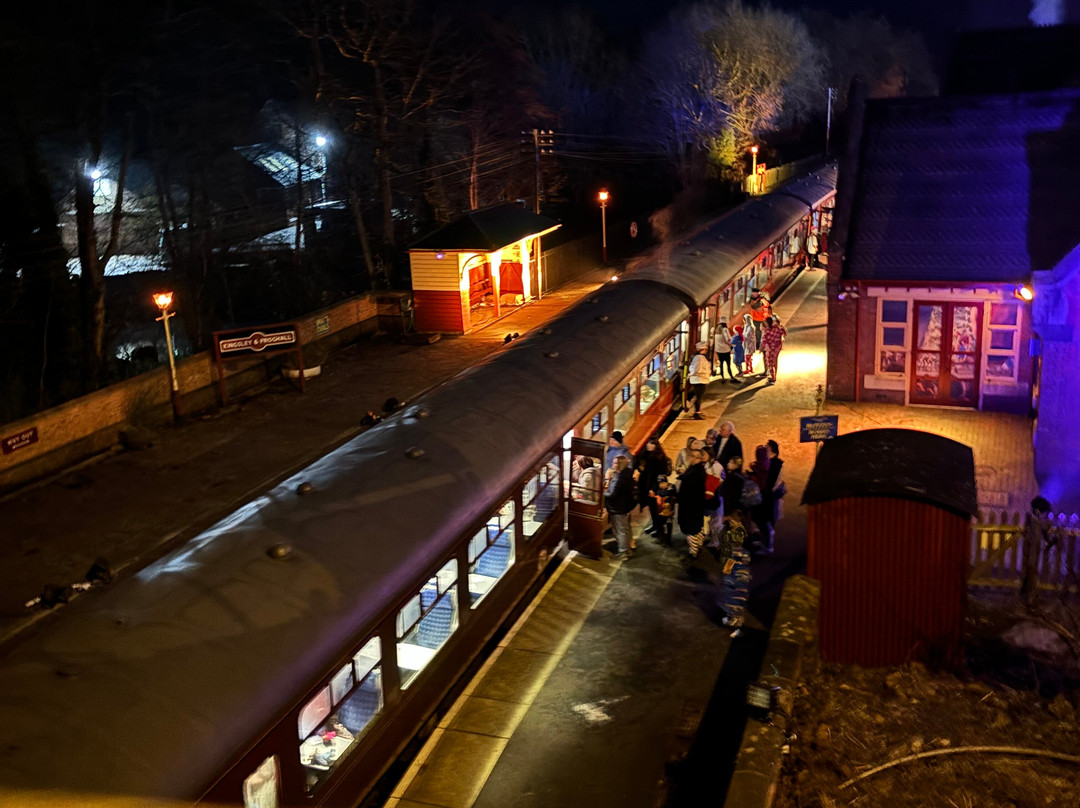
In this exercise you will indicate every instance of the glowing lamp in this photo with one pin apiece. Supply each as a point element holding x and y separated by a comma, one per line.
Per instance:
<point>95,174</point>
<point>1024,292</point>
<point>614,277</point>
<point>320,140</point>
<point>440,255</point>
<point>603,196</point>
<point>753,149</point>
<point>163,300</point>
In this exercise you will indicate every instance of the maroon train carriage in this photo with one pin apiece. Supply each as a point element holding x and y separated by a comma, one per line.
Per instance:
<point>288,654</point>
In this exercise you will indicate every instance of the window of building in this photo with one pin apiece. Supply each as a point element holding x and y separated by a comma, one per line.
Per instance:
<point>332,722</point>
<point>650,383</point>
<point>540,497</point>
<point>892,337</point>
<point>625,406</point>
<point>262,788</point>
<point>491,552</point>
<point>1002,351</point>
<point>426,622</point>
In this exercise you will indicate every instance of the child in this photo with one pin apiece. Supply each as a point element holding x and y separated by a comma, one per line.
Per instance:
<point>737,350</point>
<point>665,509</point>
<point>736,585</point>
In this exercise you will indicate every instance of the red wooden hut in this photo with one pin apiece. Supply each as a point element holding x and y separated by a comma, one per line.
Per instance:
<point>469,271</point>
<point>889,526</point>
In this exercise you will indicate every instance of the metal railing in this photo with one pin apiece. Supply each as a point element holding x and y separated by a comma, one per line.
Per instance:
<point>997,551</point>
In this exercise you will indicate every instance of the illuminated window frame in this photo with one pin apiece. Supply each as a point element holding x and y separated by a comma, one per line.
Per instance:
<point>882,343</point>
<point>497,532</point>
<point>994,355</point>
<point>544,482</point>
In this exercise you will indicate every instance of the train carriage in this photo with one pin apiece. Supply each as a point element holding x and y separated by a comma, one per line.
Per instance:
<point>289,653</point>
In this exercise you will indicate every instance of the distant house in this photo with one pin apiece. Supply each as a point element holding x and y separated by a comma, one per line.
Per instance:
<point>953,278</point>
<point>477,267</point>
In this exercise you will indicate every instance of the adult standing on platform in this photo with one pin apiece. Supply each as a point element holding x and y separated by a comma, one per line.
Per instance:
<point>692,501</point>
<point>750,345</point>
<point>651,464</point>
<point>772,342</point>
<point>620,501</point>
<point>722,346</point>
<point>760,309</point>
<point>616,448</point>
<point>728,444</point>
<point>772,493</point>
<point>699,376</point>
<point>812,247</point>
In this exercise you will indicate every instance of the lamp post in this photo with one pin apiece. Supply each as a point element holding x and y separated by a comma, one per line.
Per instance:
<point>603,197</point>
<point>163,300</point>
<point>753,169</point>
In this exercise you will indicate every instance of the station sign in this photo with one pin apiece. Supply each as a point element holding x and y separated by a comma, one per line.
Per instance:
<point>258,341</point>
<point>813,428</point>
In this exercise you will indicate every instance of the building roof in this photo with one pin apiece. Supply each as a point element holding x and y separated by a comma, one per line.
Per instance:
<point>966,189</point>
<point>900,463</point>
<point>487,229</point>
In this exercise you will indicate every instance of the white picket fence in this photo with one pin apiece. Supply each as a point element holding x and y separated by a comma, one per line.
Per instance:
<point>997,558</point>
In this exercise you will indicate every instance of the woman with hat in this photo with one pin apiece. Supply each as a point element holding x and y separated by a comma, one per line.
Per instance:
<point>699,375</point>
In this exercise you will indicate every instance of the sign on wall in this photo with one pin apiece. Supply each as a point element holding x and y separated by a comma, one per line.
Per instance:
<point>256,341</point>
<point>239,343</point>
<point>20,440</point>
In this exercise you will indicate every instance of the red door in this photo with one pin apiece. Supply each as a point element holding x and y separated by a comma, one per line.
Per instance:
<point>585,518</point>
<point>946,354</point>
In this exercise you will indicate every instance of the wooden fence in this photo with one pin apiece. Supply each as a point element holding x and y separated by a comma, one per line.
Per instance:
<point>997,551</point>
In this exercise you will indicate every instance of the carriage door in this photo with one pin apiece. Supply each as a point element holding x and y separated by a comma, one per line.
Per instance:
<point>946,354</point>
<point>585,509</point>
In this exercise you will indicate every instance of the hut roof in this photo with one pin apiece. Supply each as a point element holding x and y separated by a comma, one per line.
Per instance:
<point>487,229</point>
<point>901,463</point>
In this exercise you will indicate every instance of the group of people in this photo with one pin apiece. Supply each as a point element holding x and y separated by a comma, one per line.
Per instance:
<point>707,490</point>
<point>766,335</point>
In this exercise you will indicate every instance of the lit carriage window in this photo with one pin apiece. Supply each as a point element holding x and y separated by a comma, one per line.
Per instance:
<point>650,383</point>
<point>356,697</point>
<point>671,358</point>
<point>540,497</point>
<point>491,552</point>
<point>597,428</point>
<point>426,622</point>
<point>625,406</point>
<point>1002,353</point>
<point>892,337</point>
<point>262,788</point>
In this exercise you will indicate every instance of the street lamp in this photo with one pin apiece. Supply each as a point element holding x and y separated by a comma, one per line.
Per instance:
<point>603,197</point>
<point>163,300</point>
<point>753,168</point>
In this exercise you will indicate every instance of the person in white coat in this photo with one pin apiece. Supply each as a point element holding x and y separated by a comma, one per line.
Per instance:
<point>700,373</point>
<point>722,347</point>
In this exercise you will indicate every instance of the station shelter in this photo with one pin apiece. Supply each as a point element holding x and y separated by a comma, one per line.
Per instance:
<point>956,281</point>
<point>474,269</point>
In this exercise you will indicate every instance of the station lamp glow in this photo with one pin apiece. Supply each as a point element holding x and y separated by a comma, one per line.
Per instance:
<point>95,174</point>
<point>163,300</point>
<point>603,196</point>
<point>320,140</point>
<point>1023,291</point>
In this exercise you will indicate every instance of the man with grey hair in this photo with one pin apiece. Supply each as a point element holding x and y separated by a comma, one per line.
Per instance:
<point>727,444</point>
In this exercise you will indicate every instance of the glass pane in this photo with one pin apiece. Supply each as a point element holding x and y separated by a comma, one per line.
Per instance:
<point>650,391</point>
<point>1003,340</point>
<point>367,657</point>
<point>490,567</point>
<point>963,366</point>
<point>341,683</point>
<point>417,648</point>
<point>927,364</point>
<point>894,311</point>
<point>926,388</point>
<point>545,503</point>
<point>929,328</point>
<point>1000,367</point>
<point>447,576</point>
<point>893,361</point>
<point>894,337</point>
<point>262,789</point>
<point>362,706</point>
<point>962,390</point>
<point>965,319</point>
<point>408,616</point>
<point>1004,313</point>
<point>584,480</point>
<point>314,712</point>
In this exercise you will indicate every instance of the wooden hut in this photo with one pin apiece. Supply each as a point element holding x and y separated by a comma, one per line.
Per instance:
<point>470,271</point>
<point>889,514</point>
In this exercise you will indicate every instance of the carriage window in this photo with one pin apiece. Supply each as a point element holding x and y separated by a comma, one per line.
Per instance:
<point>540,497</point>
<point>491,551</point>
<point>671,357</point>
<point>262,789</point>
<point>597,428</point>
<point>650,383</point>
<point>357,698</point>
<point>625,406</point>
<point>426,622</point>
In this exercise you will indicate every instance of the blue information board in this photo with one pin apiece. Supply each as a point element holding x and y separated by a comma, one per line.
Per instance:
<point>813,428</point>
